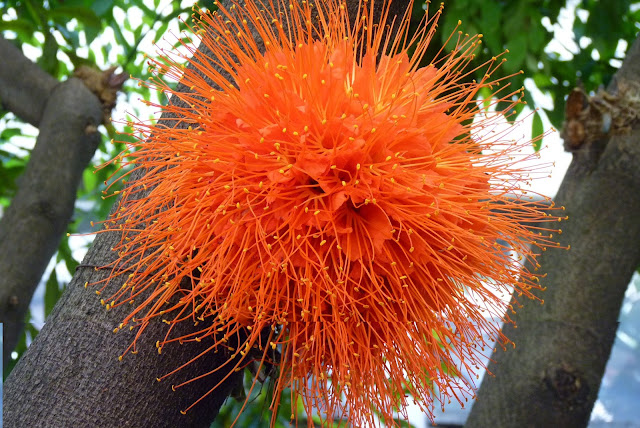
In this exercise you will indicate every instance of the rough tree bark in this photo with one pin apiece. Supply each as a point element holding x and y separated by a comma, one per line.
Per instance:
<point>552,377</point>
<point>70,376</point>
<point>68,115</point>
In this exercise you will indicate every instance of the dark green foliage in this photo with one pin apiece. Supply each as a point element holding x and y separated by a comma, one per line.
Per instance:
<point>537,130</point>
<point>517,26</point>
<point>52,292</point>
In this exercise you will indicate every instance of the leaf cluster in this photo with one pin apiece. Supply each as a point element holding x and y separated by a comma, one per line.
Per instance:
<point>591,41</point>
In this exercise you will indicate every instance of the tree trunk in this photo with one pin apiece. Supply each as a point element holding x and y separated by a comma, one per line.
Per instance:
<point>552,377</point>
<point>68,116</point>
<point>71,376</point>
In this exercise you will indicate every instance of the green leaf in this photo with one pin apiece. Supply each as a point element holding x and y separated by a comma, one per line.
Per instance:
<point>517,46</point>
<point>64,254</point>
<point>71,37</point>
<point>556,116</point>
<point>49,59</point>
<point>100,8</point>
<point>34,13</point>
<point>51,293</point>
<point>537,130</point>
<point>542,81</point>
<point>91,33</point>
<point>538,37</point>
<point>89,180</point>
<point>122,41</point>
<point>490,15</point>
<point>85,15</point>
<point>10,171</point>
<point>605,20</point>
<point>485,96</point>
<point>9,133</point>
<point>23,27</point>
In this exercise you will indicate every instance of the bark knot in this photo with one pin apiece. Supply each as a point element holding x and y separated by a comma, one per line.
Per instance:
<point>104,84</point>
<point>607,113</point>
<point>568,386</point>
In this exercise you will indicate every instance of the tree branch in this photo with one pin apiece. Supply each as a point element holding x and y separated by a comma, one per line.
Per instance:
<point>71,376</point>
<point>553,375</point>
<point>24,87</point>
<point>32,226</point>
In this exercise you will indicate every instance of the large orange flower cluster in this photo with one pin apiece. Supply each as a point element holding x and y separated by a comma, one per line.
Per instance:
<point>335,202</point>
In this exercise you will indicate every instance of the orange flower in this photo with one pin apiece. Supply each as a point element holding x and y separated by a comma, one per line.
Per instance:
<point>332,201</point>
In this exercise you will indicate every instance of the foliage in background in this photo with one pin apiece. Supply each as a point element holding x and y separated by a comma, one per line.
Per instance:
<point>64,34</point>
<point>526,28</point>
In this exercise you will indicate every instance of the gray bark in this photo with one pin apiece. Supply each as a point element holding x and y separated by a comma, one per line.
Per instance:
<point>34,223</point>
<point>71,376</point>
<point>552,377</point>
